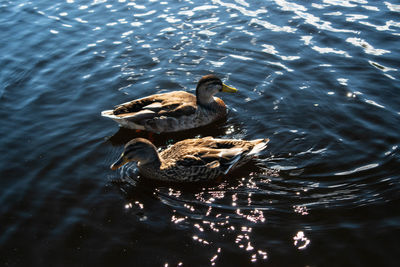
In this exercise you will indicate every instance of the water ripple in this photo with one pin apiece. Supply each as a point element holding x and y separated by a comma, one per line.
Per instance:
<point>242,9</point>
<point>320,79</point>
<point>359,169</point>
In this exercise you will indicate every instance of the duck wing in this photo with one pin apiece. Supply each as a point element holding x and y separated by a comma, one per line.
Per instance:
<point>155,109</point>
<point>155,102</point>
<point>210,153</point>
<point>209,161</point>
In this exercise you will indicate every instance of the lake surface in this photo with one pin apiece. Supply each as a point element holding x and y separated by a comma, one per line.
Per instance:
<point>319,78</point>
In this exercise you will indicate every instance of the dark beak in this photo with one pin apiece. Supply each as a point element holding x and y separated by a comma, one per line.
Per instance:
<point>119,163</point>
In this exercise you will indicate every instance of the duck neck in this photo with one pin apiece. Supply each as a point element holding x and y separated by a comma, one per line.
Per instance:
<point>151,159</point>
<point>205,101</point>
<point>204,97</point>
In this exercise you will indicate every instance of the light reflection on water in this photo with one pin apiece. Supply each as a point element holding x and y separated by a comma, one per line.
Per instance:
<point>320,79</point>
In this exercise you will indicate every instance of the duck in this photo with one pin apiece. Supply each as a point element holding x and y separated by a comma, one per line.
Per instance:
<point>190,160</point>
<point>174,111</point>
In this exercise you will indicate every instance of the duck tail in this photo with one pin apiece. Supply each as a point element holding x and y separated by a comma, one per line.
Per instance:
<point>261,144</point>
<point>122,121</point>
<point>108,113</point>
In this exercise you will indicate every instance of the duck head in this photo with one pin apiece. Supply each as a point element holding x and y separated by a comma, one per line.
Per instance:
<point>208,86</point>
<point>139,150</point>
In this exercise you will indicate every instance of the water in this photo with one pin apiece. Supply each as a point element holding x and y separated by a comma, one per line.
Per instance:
<point>320,79</point>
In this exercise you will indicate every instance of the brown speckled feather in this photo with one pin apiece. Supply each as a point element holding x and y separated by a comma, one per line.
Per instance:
<point>173,111</point>
<point>190,160</point>
<point>177,111</point>
<point>169,102</point>
<point>206,158</point>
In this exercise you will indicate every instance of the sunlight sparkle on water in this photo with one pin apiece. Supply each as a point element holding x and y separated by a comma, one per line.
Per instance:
<point>300,240</point>
<point>374,103</point>
<point>294,62</point>
<point>214,258</point>
<point>177,220</point>
<point>359,169</point>
<point>351,95</point>
<point>302,210</point>
<point>329,50</point>
<point>369,49</point>
<point>200,240</point>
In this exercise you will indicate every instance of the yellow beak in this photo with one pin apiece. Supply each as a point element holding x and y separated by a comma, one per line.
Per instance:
<point>119,163</point>
<point>228,89</point>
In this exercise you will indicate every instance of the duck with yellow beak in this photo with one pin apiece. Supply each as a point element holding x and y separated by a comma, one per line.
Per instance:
<point>174,111</point>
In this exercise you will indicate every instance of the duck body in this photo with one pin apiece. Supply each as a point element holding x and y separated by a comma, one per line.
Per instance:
<point>190,160</point>
<point>168,112</point>
<point>174,111</point>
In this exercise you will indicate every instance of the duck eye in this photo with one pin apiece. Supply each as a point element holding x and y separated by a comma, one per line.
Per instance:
<point>215,85</point>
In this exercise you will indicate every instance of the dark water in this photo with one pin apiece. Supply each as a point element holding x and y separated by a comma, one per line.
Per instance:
<point>319,78</point>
